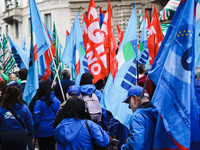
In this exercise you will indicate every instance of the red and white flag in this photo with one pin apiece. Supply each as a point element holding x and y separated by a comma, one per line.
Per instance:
<point>108,37</point>
<point>155,36</point>
<point>120,35</point>
<point>96,55</point>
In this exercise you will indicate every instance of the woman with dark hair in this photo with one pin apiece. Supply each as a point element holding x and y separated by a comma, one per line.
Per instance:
<point>15,117</point>
<point>75,132</point>
<point>44,115</point>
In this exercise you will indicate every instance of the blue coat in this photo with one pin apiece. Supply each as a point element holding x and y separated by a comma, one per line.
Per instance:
<point>66,83</point>
<point>8,121</point>
<point>44,117</point>
<point>142,129</point>
<point>72,134</point>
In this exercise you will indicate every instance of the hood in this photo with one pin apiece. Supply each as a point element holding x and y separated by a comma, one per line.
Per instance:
<point>67,130</point>
<point>17,106</point>
<point>87,89</point>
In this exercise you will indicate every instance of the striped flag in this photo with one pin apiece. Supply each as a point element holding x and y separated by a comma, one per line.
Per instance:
<point>8,59</point>
<point>1,53</point>
<point>140,20</point>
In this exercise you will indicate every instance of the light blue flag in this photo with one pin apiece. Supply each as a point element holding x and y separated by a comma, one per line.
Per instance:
<point>42,65</point>
<point>21,57</point>
<point>74,53</point>
<point>39,44</point>
<point>123,75</point>
<point>197,36</point>
<point>173,72</point>
<point>39,33</point>
<point>143,56</point>
<point>24,45</point>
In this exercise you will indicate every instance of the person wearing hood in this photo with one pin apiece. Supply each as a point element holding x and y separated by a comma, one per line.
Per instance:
<point>142,122</point>
<point>87,88</point>
<point>45,110</point>
<point>15,117</point>
<point>75,132</point>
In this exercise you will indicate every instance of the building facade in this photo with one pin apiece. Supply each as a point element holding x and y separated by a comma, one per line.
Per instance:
<point>15,15</point>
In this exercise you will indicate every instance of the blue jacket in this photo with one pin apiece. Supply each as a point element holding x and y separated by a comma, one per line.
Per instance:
<point>89,89</point>
<point>142,129</point>
<point>66,83</point>
<point>72,134</point>
<point>8,121</point>
<point>44,117</point>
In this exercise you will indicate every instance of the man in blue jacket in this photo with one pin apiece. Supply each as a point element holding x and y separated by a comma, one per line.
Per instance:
<point>142,122</point>
<point>65,83</point>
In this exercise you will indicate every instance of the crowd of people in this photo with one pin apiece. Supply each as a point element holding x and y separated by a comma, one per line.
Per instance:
<point>75,120</point>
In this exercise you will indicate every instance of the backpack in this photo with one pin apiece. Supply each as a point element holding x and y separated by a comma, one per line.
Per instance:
<point>93,106</point>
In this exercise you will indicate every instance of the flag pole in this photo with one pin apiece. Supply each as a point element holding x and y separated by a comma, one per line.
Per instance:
<point>144,87</point>
<point>137,71</point>
<point>57,75</point>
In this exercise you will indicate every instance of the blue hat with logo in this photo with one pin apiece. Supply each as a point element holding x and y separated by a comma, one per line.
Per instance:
<point>135,90</point>
<point>73,90</point>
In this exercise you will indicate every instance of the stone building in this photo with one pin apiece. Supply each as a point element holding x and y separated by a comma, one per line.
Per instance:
<point>15,15</point>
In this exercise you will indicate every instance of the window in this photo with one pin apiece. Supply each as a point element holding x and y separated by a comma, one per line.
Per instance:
<point>149,12</point>
<point>17,30</point>
<point>47,20</point>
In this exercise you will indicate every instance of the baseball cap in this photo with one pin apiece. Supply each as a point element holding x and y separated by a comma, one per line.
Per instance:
<point>135,90</point>
<point>73,90</point>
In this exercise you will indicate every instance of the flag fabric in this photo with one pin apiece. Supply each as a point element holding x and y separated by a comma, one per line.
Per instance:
<point>47,58</point>
<point>197,36</point>
<point>74,54</point>
<point>173,73</point>
<point>93,42</point>
<point>140,20</point>
<point>83,27</point>
<point>21,56</point>
<point>143,56</point>
<point>155,36</point>
<point>110,45</point>
<point>24,45</point>
<point>147,22</point>
<point>1,53</point>
<point>58,54</point>
<point>164,28</point>
<point>123,75</point>
<point>8,59</point>
<point>101,17</point>
<point>39,44</point>
<point>120,35</point>
<point>168,11</point>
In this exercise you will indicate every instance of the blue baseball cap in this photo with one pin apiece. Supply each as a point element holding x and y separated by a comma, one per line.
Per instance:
<point>135,90</point>
<point>73,90</point>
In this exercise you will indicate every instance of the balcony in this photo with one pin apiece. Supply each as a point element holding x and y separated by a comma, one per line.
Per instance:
<point>13,15</point>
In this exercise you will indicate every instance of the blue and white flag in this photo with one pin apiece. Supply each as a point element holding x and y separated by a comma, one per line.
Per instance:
<point>21,56</point>
<point>197,36</point>
<point>39,44</point>
<point>74,53</point>
<point>143,56</point>
<point>123,75</point>
<point>173,72</point>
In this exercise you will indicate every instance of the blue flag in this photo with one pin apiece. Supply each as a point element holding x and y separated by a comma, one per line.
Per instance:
<point>39,33</point>
<point>173,73</point>
<point>21,56</point>
<point>197,36</point>
<point>143,56</point>
<point>39,44</point>
<point>74,53</point>
<point>123,75</point>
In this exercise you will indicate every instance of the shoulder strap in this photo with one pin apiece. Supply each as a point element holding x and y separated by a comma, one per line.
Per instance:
<point>88,128</point>
<point>52,109</point>
<point>17,118</point>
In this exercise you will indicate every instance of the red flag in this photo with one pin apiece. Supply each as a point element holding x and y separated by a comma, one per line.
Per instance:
<point>147,21</point>
<point>67,32</point>
<point>108,37</point>
<point>120,35</point>
<point>155,36</point>
<point>48,59</point>
<point>95,52</point>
